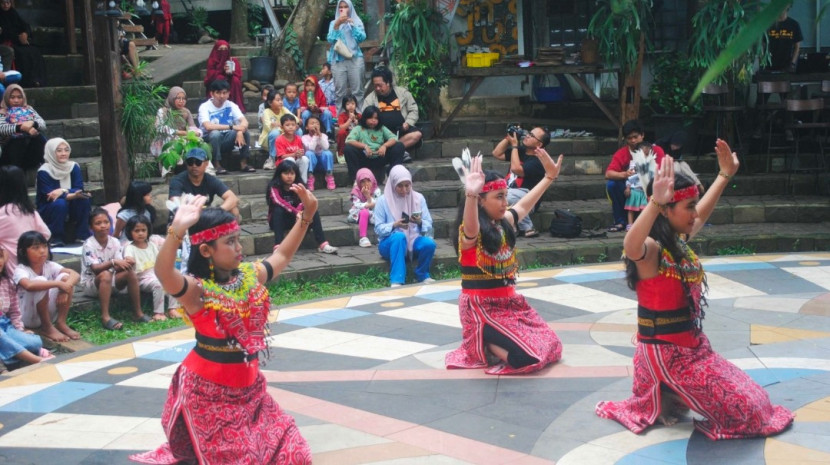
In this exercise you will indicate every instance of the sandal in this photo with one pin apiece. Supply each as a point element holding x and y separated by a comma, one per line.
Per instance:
<point>143,319</point>
<point>616,228</point>
<point>112,324</point>
<point>249,169</point>
<point>531,233</point>
<point>221,171</point>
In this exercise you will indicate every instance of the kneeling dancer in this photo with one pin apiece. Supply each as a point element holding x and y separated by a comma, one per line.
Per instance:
<point>498,325</point>
<point>218,410</point>
<point>675,368</point>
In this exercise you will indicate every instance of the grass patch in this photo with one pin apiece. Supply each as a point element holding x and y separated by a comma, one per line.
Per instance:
<point>735,250</point>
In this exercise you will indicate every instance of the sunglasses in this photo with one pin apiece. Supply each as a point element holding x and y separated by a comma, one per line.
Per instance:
<point>193,162</point>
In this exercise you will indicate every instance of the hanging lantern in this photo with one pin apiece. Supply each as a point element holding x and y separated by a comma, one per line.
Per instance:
<point>141,8</point>
<point>112,8</point>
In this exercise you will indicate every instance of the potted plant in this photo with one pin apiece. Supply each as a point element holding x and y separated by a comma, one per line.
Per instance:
<point>141,99</point>
<point>173,152</point>
<point>264,63</point>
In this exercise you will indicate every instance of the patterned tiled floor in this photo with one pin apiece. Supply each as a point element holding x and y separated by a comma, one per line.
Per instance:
<point>364,377</point>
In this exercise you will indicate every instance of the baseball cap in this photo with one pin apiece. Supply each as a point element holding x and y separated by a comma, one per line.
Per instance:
<point>196,153</point>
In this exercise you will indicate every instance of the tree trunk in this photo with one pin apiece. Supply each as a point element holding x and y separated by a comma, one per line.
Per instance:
<point>239,22</point>
<point>305,20</point>
<point>630,92</point>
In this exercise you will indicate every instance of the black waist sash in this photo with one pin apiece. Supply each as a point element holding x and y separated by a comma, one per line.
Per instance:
<point>473,278</point>
<point>217,350</point>
<point>652,323</point>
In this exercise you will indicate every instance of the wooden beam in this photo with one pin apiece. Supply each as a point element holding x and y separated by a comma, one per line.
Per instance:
<point>70,27</point>
<point>108,78</point>
<point>89,60</point>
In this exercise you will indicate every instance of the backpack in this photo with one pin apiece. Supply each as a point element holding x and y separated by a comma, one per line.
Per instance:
<point>565,224</point>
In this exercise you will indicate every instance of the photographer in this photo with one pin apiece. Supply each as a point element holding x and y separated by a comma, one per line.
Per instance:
<point>519,148</point>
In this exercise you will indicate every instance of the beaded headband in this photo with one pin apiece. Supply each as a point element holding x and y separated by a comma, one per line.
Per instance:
<point>685,193</point>
<point>494,186</point>
<point>214,233</point>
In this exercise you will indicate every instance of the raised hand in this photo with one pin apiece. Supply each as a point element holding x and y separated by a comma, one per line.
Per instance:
<point>552,168</point>
<point>663,186</point>
<point>474,177</point>
<point>727,159</point>
<point>189,211</point>
<point>308,199</point>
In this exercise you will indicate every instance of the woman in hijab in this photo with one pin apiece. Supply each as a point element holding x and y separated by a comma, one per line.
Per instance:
<point>173,120</point>
<point>24,146</point>
<point>60,193</point>
<point>348,28</point>
<point>218,67</point>
<point>404,227</point>
<point>16,32</point>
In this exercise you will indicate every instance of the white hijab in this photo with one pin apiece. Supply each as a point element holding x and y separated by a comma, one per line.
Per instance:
<point>346,28</point>
<point>61,172</point>
<point>402,204</point>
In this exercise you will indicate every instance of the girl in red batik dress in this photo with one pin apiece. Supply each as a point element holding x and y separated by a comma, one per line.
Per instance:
<point>675,368</point>
<point>218,410</point>
<point>500,329</point>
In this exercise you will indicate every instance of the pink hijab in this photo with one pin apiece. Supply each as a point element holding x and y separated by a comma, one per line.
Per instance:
<point>364,173</point>
<point>407,204</point>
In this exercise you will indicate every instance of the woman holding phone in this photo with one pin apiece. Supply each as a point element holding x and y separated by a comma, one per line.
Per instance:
<point>346,58</point>
<point>60,193</point>
<point>404,227</point>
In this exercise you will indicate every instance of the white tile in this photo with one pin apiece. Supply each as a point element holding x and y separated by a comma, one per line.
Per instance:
<point>73,370</point>
<point>586,355</point>
<point>621,317</point>
<point>158,379</point>
<point>344,343</point>
<point>614,338</point>
<point>771,304</point>
<point>70,431</point>
<point>86,423</point>
<point>581,297</point>
<point>370,299</point>
<point>782,362</point>
<point>438,288</point>
<point>724,288</point>
<point>145,347</point>
<point>313,339</point>
<point>434,359</point>
<point>11,394</point>
<point>439,313</point>
<point>818,275</point>
<point>325,438</point>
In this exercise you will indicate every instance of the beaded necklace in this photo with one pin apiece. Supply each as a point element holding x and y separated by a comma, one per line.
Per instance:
<point>502,264</point>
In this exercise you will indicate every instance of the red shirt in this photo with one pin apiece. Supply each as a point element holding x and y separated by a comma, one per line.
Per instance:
<point>285,146</point>
<point>622,158</point>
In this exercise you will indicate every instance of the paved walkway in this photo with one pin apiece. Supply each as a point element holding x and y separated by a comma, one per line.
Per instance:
<point>364,377</point>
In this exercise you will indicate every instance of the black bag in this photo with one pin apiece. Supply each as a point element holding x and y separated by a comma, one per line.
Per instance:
<point>565,224</point>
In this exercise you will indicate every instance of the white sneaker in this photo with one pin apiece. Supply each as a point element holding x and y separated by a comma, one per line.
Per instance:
<point>395,285</point>
<point>428,281</point>
<point>269,164</point>
<point>365,242</point>
<point>326,248</point>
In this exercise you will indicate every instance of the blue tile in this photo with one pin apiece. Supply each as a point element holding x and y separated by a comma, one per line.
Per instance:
<point>658,454</point>
<point>171,354</point>
<point>443,296</point>
<point>323,318</point>
<point>768,376</point>
<point>739,266</point>
<point>54,397</point>
<point>590,277</point>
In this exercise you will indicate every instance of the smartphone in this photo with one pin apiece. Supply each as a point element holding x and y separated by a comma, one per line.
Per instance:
<point>86,194</point>
<point>404,217</point>
<point>416,215</point>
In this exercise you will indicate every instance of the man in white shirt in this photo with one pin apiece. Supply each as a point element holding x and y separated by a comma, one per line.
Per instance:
<point>224,126</point>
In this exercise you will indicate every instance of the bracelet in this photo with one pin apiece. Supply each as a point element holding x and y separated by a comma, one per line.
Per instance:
<point>727,176</point>
<point>550,177</point>
<point>304,221</point>
<point>470,196</point>
<point>172,232</point>
<point>468,237</point>
<point>654,201</point>
<point>515,147</point>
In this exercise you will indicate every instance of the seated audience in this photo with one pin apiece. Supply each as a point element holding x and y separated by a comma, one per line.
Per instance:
<point>17,213</point>
<point>24,146</point>
<point>398,109</point>
<point>222,67</point>
<point>225,126</point>
<point>372,145</point>
<point>14,31</point>
<point>60,193</point>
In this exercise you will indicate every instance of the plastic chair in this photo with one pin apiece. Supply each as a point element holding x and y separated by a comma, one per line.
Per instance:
<point>768,110</point>
<point>807,126</point>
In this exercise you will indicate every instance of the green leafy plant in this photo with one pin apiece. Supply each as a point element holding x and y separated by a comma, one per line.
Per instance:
<point>419,56</point>
<point>618,26</point>
<point>291,46</point>
<point>140,100</point>
<point>674,81</point>
<point>735,250</point>
<point>174,150</point>
<point>199,20</point>
<point>256,15</point>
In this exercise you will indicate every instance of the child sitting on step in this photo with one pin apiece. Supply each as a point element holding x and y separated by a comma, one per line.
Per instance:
<point>364,196</point>
<point>144,252</point>
<point>317,151</point>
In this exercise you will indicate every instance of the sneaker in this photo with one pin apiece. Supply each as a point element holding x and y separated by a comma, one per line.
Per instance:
<point>325,247</point>
<point>269,164</point>
<point>428,281</point>
<point>330,182</point>
<point>395,285</point>
<point>407,158</point>
<point>310,182</point>
<point>365,242</point>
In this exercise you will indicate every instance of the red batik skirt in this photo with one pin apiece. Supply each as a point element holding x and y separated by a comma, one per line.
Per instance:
<point>734,406</point>
<point>510,314</point>
<point>209,423</point>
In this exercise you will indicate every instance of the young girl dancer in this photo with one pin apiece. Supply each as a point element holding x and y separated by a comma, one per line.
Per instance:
<point>144,253</point>
<point>284,205</point>
<point>218,409</point>
<point>675,368</point>
<point>496,322</point>
<point>45,288</point>
<point>365,194</point>
<point>16,343</point>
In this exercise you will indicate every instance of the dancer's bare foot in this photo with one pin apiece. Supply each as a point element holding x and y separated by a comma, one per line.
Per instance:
<point>671,407</point>
<point>54,334</point>
<point>69,332</point>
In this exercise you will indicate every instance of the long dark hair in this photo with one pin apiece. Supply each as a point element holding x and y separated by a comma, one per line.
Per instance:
<point>490,235</point>
<point>369,112</point>
<point>13,189</point>
<point>276,182</point>
<point>134,200</point>
<point>662,232</point>
<point>26,240</point>
<point>197,265</point>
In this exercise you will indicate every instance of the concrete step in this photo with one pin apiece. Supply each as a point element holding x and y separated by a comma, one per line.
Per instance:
<point>758,237</point>
<point>57,102</point>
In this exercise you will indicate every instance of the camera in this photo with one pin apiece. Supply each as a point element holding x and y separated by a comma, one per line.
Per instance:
<point>515,129</point>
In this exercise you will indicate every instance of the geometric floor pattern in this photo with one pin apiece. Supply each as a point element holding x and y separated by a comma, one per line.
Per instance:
<point>364,377</point>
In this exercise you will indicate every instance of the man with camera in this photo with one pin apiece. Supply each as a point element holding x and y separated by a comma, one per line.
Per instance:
<point>519,148</point>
